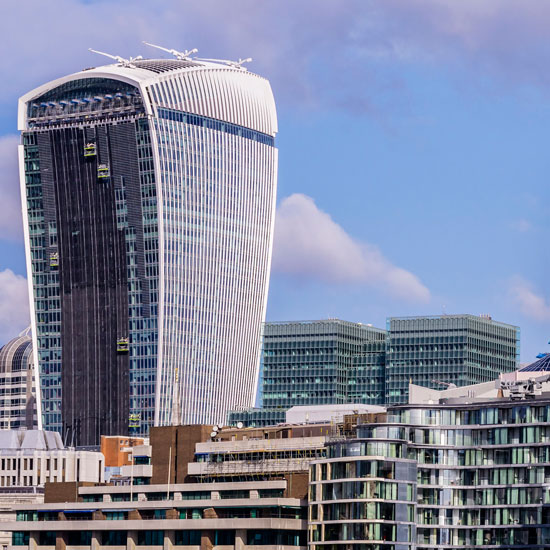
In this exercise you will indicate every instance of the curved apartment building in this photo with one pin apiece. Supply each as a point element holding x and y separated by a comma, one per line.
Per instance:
<point>471,475</point>
<point>148,194</point>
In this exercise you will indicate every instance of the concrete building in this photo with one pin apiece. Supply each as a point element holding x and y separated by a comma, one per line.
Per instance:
<point>191,516</point>
<point>457,468</point>
<point>17,384</point>
<point>168,167</point>
<point>29,459</point>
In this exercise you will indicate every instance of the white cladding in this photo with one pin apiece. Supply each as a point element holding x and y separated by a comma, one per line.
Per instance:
<point>216,193</point>
<point>304,414</point>
<point>34,457</point>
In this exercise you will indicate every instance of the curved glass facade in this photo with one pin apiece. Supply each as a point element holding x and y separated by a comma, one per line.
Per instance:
<point>150,198</point>
<point>470,476</point>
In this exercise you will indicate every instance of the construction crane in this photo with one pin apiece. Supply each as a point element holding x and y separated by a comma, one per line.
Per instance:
<point>185,55</point>
<point>524,389</point>
<point>234,64</point>
<point>121,60</point>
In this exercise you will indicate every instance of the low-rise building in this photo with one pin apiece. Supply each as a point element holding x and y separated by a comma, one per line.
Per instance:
<point>127,460</point>
<point>31,458</point>
<point>191,516</point>
<point>458,468</point>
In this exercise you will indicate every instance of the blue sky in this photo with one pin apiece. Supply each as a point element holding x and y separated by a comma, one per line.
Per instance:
<point>413,144</point>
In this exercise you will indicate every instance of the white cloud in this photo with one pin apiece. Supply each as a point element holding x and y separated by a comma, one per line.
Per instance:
<point>530,303</point>
<point>310,245</point>
<point>315,52</point>
<point>522,225</point>
<point>11,224</point>
<point>14,305</point>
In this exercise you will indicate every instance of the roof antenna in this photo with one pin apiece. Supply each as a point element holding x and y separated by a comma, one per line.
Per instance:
<point>182,56</point>
<point>234,64</point>
<point>121,60</point>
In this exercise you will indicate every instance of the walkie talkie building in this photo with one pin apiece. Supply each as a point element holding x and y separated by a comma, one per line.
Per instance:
<point>148,192</point>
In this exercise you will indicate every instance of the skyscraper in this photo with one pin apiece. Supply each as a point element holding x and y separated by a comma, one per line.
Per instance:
<point>148,199</point>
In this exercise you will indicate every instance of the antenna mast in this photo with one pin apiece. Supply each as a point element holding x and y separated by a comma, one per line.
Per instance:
<point>235,64</point>
<point>121,60</point>
<point>185,55</point>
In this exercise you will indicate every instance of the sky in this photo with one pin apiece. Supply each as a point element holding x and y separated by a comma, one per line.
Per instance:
<point>413,144</point>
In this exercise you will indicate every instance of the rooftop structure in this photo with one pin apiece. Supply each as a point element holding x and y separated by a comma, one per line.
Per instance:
<point>541,365</point>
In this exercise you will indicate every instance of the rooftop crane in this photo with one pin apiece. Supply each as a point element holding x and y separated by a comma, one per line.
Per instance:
<point>183,56</point>
<point>121,60</point>
<point>524,389</point>
<point>234,64</point>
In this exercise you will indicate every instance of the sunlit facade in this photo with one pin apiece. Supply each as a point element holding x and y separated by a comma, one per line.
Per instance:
<point>425,477</point>
<point>149,195</point>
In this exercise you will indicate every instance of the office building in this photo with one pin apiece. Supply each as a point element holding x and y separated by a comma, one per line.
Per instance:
<point>17,384</point>
<point>337,361</point>
<point>457,468</point>
<point>316,362</point>
<point>226,487</point>
<point>460,468</point>
<point>448,349</point>
<point>313,362</point>
<point>29,459</point>
<point>150,195</point>
<point>367,379</point>
<point>183,507</point>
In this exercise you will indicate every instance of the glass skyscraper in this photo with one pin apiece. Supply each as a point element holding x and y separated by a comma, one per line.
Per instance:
<point>148,194</point>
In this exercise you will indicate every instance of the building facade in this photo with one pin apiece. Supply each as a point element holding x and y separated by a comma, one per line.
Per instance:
<point>453,349</point>
<point>463,475</point>
<point>333,361</point>
<point>314,362</point>
<point>149,193</point>
<point>460,468</point>
<point>18,385</point>
<point>200,516</point>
